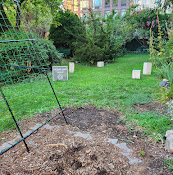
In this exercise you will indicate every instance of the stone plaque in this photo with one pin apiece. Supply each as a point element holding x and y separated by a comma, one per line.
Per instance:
<point>147,68</point>
<point>60,73</point>
<point>136,74</point>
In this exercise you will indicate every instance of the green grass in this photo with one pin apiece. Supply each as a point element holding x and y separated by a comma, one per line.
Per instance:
<point>107,87</point>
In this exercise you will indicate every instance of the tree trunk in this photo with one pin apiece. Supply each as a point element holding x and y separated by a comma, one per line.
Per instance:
<point>4,21</point>
<point>18,13</point>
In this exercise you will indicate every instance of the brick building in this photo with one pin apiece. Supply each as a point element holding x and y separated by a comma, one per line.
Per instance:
<point>103,7</point>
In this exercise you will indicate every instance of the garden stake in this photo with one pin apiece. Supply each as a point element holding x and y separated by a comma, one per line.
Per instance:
<point>14,119</point>
<point>56,98</point>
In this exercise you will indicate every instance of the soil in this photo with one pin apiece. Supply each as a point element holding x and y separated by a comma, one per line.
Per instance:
<point>84,147</point>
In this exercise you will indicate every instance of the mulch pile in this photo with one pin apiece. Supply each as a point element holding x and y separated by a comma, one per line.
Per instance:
<point>57,150</point>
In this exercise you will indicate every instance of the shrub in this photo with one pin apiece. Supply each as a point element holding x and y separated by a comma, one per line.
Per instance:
<point>101,39</point>
<point>40,53</point>
<point>161,54</point>
<point>145,19</point>
<point>64,28</point>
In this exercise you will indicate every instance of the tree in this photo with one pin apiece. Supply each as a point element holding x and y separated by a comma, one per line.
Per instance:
<point>3,18</point>
<point>166,4</point>
<point>39,9</point>
<point>64,28</point>
<point>102,39</point>
<point>144,20</point>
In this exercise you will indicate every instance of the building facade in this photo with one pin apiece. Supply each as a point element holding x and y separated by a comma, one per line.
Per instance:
<point>103,7</point>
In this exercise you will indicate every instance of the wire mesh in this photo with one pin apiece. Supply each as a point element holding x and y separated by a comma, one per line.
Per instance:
<point>23,80</point>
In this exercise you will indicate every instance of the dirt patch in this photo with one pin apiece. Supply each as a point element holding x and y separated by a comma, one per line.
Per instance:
<point>85,146</point>
<point>150,107</point>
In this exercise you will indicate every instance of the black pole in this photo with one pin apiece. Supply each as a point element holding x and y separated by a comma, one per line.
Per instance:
<point>30,133</point>
<point>56,98</point>
<point>14,119</point>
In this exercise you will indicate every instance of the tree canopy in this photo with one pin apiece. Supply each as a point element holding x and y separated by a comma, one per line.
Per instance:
<point>37,12</point>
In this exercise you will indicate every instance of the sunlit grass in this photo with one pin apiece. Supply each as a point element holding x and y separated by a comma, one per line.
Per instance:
<point>109,87</point>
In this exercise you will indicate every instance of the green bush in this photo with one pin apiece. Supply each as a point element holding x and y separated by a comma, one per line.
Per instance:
<point>102,39</point>
<point>147,19</point>
<point>39,52</point>
<point>64,28</point>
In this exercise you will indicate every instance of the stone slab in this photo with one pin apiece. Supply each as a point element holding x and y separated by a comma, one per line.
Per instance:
<point>71,67</point>
<point>100,64</point>
<point>147,68</point>
<point>136,74</point>
<point>60,73</point>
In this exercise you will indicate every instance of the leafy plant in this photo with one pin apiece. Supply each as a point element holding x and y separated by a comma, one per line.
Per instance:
<point>161,55</point>
<point>145,19</point>
<point>169,163</point>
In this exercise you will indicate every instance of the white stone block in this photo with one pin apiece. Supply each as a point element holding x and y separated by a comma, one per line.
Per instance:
<point>169,141</point>
<point>100,64</point>
<point>71,67</point>
<point>147,68</point>
<point>136,74</point>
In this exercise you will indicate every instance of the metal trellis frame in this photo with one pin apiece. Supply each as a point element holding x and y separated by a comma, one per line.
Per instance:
<point>37,67</point>
<point>48,120</point>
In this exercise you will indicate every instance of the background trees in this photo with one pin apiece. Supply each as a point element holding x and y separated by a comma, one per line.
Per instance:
<point>64,29</point>
<point>38,14</point>
<point>92,38</point>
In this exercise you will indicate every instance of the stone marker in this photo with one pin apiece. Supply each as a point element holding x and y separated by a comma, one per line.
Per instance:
<point>147,68</point>
<point>71,67</point>
<point>60,73</point>
<point>100,64</point>
<point>136,74</point>
<point>169,141</point>
<point>163,83</point>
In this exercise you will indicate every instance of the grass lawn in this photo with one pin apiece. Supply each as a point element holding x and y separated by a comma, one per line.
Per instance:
<point>108,87</point>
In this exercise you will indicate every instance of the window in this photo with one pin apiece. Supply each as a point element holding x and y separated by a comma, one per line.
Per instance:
<point>75,8</point>
<point>107,3</point>
<point>84,5</point>
<point>123,2</point>
<point>115,3</point>
<point>123,11</point>
<point>107,13</point>
<point>97,4</point>
<point>69,4</point>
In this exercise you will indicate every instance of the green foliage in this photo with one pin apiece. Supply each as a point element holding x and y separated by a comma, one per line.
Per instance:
<point>161,54</point>
<point>50,50</point>
<point>38,13</point>
<point>166,71</point>
<point>146,19</point>
<point>142,153</point>
<point>169,46</point>
<point>64,28</point>
<point>38,16</point>
<point>102,39</point>
<point>40,53</point>
<point>91,39</point>
<point>169,163</point>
